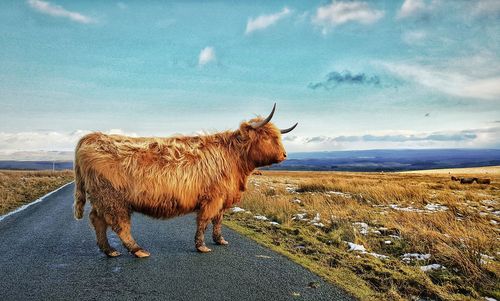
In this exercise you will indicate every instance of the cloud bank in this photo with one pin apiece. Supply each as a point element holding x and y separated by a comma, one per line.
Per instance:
<point>46,140</point>
<point>59,11</point>
<point>470,138</point>
<point>335,79</point>
<point>454,83</point>
<point>473,138</point>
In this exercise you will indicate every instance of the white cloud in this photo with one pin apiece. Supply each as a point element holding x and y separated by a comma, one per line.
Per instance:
<point>452,82</point>
<point>414,36</point>
<point>207,55</point>
<point>411,8</point>
<point>264,21</point>
<point>43,145</point>
<point>474,138</point>
<point>45,140</point>
<point>339,12</point>
<point>59,11</point>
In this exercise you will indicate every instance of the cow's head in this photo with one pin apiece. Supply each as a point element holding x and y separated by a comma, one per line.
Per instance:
<point>263,140</point>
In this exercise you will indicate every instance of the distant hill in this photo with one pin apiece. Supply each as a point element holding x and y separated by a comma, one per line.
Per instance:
<point>389,160</point>
<point>36,165</point>
<point>365,160</point>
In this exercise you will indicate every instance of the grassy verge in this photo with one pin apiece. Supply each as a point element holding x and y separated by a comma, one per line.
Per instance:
<point>21,187</point>
<point>451,230</point>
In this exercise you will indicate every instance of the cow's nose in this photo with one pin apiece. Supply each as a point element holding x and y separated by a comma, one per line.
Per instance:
<point>284,155</point>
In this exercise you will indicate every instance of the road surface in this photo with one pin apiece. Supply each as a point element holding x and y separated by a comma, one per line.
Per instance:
<point>48,255</point>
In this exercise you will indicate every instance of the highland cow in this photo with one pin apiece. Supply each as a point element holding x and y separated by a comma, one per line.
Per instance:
<point>168,177</point>
<point>467,180</point>
<point>483,181</point>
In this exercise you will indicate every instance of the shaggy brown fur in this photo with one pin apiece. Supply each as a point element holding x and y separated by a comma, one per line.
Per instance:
<point>167,177</point>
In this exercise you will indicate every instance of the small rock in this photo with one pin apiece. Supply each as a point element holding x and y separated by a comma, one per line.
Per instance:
<point>313,284</point>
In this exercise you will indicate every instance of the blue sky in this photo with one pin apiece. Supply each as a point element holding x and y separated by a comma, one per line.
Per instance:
<point>354,74</point>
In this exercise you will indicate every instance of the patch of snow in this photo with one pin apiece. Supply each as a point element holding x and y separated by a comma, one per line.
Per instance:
<point>489,202</point>
<point>406,209</point>
<point>486,258</point>
<point>395,236</point>
<point>407,257</point>
<point>356,247</point>
<point>361,249</point>
<point>274,223</point>
<point>388,242</point>
<point>316,219</point>
<point>379,256</point>
<point>237,209</point>
<point>493,222</point>
<point>300,217</point>
<point>296,201</point>
<point>261,217</point>
<point>497,213</point>
<point>435,207</point>
<point>432,267</point>
<point>490,299</point>
<point>362,227</point>
<point>342,194</point>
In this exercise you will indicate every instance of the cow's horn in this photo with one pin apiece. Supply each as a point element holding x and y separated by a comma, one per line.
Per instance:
<point>257,125</point>
<point>288,130</point>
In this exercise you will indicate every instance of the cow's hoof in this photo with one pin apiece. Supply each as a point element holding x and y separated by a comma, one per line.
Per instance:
<point>203,249</point>
<point>222,242</point>
<point>141,253</point>
<point>113,253</point>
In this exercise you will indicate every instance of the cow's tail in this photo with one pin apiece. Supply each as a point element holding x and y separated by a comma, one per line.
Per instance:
<point>80,195</point>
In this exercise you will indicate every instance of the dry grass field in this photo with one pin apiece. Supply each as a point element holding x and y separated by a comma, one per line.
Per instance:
<point>20,187</point>
<point>387,236</point>
<point>380,236</point>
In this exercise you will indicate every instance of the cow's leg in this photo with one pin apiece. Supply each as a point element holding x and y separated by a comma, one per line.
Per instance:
<point>100,227</point>
<point>199,239</point>
<point>217,230</point>
<point>207,212</point>
<point>121,226</point>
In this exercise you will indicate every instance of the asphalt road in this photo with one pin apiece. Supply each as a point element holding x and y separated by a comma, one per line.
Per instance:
<point>45,254</point>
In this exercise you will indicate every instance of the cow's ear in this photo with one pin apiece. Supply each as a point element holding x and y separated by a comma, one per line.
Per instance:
<point>245,129</point>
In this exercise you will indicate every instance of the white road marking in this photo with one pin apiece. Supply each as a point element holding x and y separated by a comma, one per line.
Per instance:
<point>34,202</point>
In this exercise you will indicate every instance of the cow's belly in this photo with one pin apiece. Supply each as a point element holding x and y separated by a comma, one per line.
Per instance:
<point>164,209</point>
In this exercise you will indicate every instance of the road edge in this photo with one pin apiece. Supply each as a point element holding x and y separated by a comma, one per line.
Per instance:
<point>303,262</point>
<point>23,207</point>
